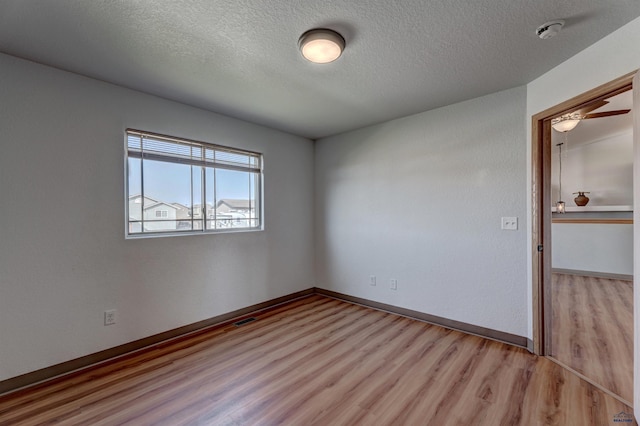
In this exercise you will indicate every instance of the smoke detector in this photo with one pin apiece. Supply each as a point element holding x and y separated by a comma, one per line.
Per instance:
<point>549,29</point>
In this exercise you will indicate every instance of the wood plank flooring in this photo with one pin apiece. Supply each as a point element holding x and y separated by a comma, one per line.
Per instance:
<point>592,329</point>
<point>320,361</point>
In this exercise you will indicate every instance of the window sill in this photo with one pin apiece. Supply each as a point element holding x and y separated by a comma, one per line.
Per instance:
<point>142,236</point>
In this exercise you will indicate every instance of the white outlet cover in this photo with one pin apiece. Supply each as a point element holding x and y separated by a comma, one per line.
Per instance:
<point>110,316</point>
<point>510,223</point>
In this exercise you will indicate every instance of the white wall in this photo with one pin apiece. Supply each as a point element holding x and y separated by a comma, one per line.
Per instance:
<point>606,60</point>
<point>605,248</point>
<point>603,168</point>
<point>420,199</point>
<point>63,255</point>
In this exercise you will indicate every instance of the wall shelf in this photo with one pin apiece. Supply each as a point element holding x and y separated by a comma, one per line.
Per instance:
<point>586,209</point>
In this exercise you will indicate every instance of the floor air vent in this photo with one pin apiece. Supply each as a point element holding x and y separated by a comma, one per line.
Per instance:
<point>244,321</point>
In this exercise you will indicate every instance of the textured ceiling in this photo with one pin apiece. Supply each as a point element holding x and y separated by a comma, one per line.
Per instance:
<point>240,57</point>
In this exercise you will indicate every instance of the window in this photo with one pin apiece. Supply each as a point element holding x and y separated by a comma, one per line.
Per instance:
<point>183,186</point>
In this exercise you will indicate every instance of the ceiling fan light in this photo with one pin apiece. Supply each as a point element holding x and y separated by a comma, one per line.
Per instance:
<point>565,125</point>
<point>321,46</point>
<point>566,122</point>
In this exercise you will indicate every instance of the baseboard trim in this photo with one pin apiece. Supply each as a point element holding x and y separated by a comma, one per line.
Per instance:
<point>49,373</point>
<point>107,355</point>
<point>622,277</point>
<point>487,333</point>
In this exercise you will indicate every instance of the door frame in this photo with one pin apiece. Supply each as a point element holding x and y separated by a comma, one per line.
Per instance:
<point>541,203</point>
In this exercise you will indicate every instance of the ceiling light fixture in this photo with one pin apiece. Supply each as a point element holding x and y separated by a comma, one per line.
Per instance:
<point>321,46</point>
<point>566,122</point>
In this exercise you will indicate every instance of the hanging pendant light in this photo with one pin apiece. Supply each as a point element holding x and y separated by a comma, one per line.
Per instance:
<point>560,203</point>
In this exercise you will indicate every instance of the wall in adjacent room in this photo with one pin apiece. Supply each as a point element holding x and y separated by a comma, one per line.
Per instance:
<point>603,168</point>
<point>593,247</point>
<point>420,200</point>
<point>63,255</point>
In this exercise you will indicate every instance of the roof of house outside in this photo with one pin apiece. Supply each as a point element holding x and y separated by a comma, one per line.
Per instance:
<point>159,203</point>
<point>235,203</point>
<point>154,202</point>
<point>180,206</point>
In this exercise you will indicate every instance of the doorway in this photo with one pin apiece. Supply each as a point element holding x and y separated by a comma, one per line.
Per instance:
<point>544,278</point>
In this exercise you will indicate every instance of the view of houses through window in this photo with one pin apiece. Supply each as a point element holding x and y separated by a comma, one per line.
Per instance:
<point>183,186</point>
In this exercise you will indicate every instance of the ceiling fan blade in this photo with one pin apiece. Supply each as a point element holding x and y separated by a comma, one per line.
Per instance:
<point>586,110</point>
<point>605,114</point>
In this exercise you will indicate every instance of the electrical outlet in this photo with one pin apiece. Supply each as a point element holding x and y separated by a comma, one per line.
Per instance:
<point>510,223</point>
<point>393,284</point>
<point>110,316</point>
<point>372,280</point>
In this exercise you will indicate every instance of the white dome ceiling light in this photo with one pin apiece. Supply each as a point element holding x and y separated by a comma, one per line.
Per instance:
<point>549,29</point>
<point>321,46</point>
<point>566,122</point>
<point>569,121</point>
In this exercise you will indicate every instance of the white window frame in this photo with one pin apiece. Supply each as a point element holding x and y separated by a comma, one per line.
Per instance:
<point>210,156</point>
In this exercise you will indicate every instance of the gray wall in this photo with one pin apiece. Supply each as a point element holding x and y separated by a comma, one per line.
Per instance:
<point>63,255</point>
<point>420,200</point>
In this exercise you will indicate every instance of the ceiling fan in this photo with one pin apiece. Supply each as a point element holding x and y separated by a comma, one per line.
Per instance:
<point>569,121</point>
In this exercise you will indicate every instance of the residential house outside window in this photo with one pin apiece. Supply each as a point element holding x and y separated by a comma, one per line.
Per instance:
<point>177,186</point>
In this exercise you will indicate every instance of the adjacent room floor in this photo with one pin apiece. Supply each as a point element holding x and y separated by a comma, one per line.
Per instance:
<point>320,361</point>
<point>592,329</point>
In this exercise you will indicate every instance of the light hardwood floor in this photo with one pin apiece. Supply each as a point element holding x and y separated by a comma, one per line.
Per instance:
<point>592,329</point>
<point>320,361</point>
